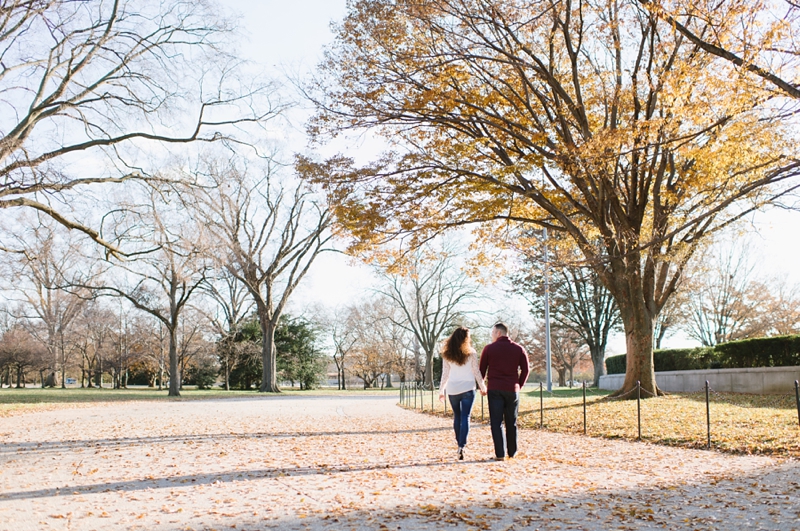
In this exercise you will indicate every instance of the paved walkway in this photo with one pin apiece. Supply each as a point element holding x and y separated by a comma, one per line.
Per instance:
<point>359,463</point>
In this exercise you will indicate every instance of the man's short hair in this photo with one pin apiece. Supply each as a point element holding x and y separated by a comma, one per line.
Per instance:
<point>502,328</point>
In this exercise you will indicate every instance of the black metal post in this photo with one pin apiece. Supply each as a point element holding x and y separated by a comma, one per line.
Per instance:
<point>639,407</point>
<point>445,403</point>
<point>482,397</point>
<point>433,397</point>
<point>708,420</point>
<point>584,408</point>
<point>541,405</point>
<point>416,386</point>
<point>797,398</point>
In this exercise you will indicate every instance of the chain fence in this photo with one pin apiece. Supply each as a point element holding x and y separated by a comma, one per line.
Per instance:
<point>415,396</point>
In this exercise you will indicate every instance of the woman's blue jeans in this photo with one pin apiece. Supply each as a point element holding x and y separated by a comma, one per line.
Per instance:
<point>462,407</point>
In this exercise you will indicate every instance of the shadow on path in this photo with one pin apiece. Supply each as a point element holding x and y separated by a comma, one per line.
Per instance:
<point>226,477</point>
<point>112,443</point>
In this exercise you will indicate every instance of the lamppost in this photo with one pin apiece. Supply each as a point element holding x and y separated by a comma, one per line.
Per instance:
<point>548,358</point>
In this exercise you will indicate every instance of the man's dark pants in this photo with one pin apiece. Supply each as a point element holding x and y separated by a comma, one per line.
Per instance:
<point>503,406</point>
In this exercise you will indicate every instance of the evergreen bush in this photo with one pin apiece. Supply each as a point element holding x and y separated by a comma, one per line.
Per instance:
<point>778,351</point>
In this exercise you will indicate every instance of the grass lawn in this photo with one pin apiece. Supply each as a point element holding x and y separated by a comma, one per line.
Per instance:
<point>752,424</point>
<point>29,399</point>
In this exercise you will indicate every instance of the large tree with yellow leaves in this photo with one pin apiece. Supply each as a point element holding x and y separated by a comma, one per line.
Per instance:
<point>595,118</point>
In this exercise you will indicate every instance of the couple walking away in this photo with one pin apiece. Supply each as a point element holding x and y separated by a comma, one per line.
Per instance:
<point>506,365</point>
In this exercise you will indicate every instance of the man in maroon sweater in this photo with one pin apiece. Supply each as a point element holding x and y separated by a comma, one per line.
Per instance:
<point>506,364</point>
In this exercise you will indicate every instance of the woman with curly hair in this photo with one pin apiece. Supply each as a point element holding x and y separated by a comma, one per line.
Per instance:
<point>460,371</point>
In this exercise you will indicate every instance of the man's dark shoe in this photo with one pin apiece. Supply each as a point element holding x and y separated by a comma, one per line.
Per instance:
<point>499,458</point>
<point>460,454</point>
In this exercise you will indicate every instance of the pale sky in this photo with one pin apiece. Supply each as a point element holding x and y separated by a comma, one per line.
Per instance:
<point>282,33</point>
<point>289,36</point>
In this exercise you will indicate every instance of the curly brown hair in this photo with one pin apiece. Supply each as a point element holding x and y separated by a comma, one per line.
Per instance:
<point>457,349</point>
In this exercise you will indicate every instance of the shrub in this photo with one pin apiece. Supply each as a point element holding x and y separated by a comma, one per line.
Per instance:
<point>203,374</point>
<point>778,351</point>
<point>683,359</point>
<point>674,359</point>
<point>616,364</point>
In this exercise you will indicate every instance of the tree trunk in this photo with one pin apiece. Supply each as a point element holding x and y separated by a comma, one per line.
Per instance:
<point>389,380</point>
<point>428,370</point>
<point>562,377</point>
<point>63,364</point>
<point>638,323</point>
<point>662,331</point>
<point>227,374</point>
<point>174,371</point>
<point>269,375</point>
<point>598,363</point>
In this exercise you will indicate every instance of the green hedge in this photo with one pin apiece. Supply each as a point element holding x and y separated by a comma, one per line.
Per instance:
<point>779,351</point>
<point>615,364</point>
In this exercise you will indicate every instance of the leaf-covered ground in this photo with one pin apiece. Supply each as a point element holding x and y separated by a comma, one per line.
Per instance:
<point>359,462</point>
<point>748,424</point>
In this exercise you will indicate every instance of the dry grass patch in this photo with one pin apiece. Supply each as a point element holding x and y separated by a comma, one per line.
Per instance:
<point>746,424</point>
<point>751,424</point>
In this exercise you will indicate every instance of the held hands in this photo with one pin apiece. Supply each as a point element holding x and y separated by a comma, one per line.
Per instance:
<point>484,392</point>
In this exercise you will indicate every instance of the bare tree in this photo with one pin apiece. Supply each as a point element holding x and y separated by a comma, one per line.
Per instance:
<point>38,273</point>
<point>430,292</point>
<point>781,305</point>
<point>719,302</point>
<point>109,76</point>
<point>131,341</point>
<point>20,351</point>
<point>344,335</point>
<point>398,345</point>
<point>232,305</point>
<point>266,233</point>
<point>578,299</point>
<point>671,318</point>
<point>94,340</point>
<point>191,341</point>
<point>567,347</point>
<point>161,282</point>
<point>371,356</point>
